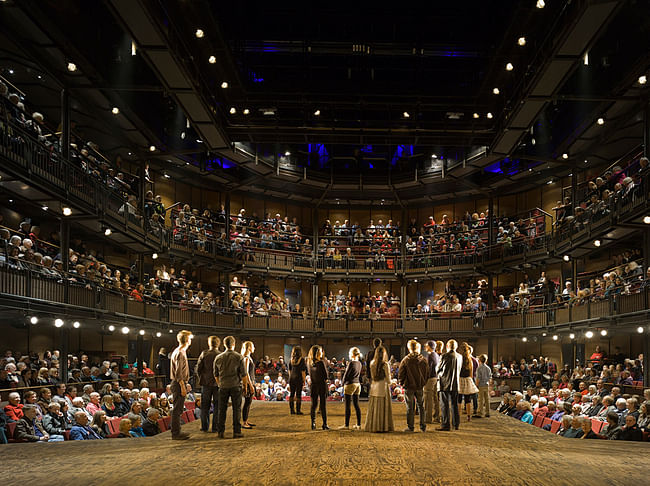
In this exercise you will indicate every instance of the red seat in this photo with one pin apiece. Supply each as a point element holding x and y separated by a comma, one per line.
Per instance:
<point>555,426</point>
<point>66,435</point>
<point>190,405</point>
<point>538,420</point>
<point>161,424</point>
<point>646,436</point>
<point>597,425</point>
<point>546,421</point>
<point>113,426</point>
<point>168,422</point>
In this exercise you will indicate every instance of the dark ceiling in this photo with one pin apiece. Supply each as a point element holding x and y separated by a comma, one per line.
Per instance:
<point>327,89</point>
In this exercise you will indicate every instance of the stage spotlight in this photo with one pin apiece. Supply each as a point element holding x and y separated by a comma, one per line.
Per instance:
<point>565,156</point>
<point>572,336</point>
<point>72,67</point>
<point>233,110</point>
<point>287,153</point>
<point>246,111</point>
<point>475,115</point>
<point>111,328</point>
<point>141,332</point>
<point>521,41</point>
<point>33,320</point>
<point>152,148</point>
<point>317,113</point>
<point>566,258</point>
<point>199,33</point>
<point>540,4</point>
<point>603,332</point>
<point>406,114</point>
<point>158,334</point>
<point>58,322</point>
<point>224,85</point>
<point>639,329</point>
<point>601,121</point>
<point>495,91</point>
<point>596,243</point>
<point>589,334</point>
<point>67,211</point>
<point>212,59</point>
<point>76,324</point>
<point>489,115</point>
<point>108,231</point>
<point>642,80</point>
<point>524,339</point>
<point>509,67</point>
<point>555,337</point>
<point>646,219</point>
<point>125,330</point>
<point>115,110</point>
<point>154,256</point>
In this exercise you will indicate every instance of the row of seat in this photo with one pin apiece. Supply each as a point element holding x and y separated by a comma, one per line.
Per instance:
<point>113,424</point>
<point>539,421</point>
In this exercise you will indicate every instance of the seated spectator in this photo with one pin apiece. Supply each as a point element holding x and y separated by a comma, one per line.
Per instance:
<point>527,416</point>
<point>82,431</point>
<point>14,409</point>
<point>108,406</point>
<point>587,432</point>
<point>631,430</point>
<point>621,410</point>
<point>150,426</point>
<point>575,431</point>
<point>136,428</point>
<point>542,408</point>
<point>566,425</point>
<point>94,405</point>
<point>31,430</point>
<point>125,428</point>
<point>99,424</point>
<point>644,417</point>
<point>612,431</point>
<point>78,406</point>
<point>54,422</point>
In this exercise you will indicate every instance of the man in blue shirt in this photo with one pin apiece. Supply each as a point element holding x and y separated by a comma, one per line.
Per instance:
<point>82,431</point>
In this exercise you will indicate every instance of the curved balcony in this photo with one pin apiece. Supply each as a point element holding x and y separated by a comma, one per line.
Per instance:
<point>30,291</point>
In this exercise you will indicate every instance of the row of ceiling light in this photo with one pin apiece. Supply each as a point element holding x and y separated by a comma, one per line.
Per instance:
<point>59,323</point>
<point>588,334</point>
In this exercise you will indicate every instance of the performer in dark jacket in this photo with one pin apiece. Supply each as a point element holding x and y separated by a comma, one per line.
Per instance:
<point>448,371</point>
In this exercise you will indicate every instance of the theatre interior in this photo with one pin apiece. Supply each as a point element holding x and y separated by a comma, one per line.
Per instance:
<point>343,178</point>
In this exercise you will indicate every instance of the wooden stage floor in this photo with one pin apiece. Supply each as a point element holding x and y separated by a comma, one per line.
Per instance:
<point>283,450</point>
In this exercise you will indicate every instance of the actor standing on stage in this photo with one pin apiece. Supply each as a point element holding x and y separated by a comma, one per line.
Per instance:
<point>413,374</point>
<point>448,381</point>
<point>209,389</point>
<point>179,372</point>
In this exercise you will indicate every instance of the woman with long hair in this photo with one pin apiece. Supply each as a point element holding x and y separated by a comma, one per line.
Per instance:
<point>380,411</point>
<point>297,375</point>
<point>467,388</point>
<point>247,350</point>
<point>352,387</point>
<point>318,375</point>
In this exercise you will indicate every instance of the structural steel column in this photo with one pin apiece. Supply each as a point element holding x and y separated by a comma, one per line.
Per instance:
<point>65,124</point>
<point>64,243</point>
<point>64,336</point>
<point>226,208</point>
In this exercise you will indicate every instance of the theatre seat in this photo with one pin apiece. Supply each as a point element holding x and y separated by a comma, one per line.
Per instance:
<point>190,405</point>
<point>168,422</point>
<point>538,421</point>
<point>555,426</point>
<point>597,425</point>
<point>113,426</point>
<point>546,421</point>
<point>162,425</point>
